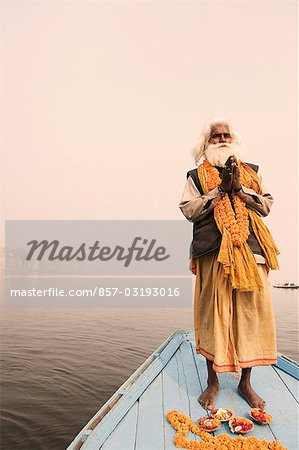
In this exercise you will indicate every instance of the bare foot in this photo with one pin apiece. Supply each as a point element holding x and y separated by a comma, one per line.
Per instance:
<point>251,397</point>
<point>208,397</point>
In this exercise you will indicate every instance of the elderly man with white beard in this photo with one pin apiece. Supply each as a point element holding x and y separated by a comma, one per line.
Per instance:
<point>232,253</point>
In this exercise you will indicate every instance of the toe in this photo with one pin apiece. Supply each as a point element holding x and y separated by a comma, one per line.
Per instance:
<point>205,405</point>
<point>262,405</point>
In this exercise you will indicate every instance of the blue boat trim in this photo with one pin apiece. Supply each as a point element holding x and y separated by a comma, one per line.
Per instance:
<point>288,365</point>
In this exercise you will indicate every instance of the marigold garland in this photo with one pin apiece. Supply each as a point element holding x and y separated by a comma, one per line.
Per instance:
<point>236,223</point>
<point>232,220</point>
<point>183,424</point>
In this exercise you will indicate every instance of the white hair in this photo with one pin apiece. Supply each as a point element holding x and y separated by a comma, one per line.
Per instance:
<point>199,149</point>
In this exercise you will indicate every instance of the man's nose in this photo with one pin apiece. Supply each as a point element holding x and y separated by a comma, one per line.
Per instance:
<point>222,138</point>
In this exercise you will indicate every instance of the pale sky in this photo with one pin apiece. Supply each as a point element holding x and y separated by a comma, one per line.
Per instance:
<point>103,102</point>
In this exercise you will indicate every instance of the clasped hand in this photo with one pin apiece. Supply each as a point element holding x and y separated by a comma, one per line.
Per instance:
<point>230,176</point>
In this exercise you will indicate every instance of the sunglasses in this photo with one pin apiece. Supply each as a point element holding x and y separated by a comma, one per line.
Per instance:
<point>218,135</point>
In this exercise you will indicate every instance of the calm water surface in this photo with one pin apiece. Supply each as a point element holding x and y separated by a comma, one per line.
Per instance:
<point>60,366</point>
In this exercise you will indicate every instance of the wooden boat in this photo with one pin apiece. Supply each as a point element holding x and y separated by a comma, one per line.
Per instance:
<point>134,418</point>
<point>286,285</point>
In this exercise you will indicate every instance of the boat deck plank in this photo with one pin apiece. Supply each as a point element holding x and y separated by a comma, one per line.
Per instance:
<point>290,382</point>
<point>174,397</point>
<point>150,429</point>
<point>189,380</point>
<point>124,435</point>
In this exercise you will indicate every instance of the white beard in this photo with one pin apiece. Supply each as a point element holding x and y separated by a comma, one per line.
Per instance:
<point>217,154</point>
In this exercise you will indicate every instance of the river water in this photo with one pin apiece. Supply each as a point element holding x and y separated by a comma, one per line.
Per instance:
<point>61,365</point>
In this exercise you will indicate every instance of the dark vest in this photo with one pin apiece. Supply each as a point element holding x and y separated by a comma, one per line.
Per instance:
<point>206,236</point>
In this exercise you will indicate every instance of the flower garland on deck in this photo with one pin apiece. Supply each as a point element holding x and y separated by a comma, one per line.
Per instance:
<point>183,424</point>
